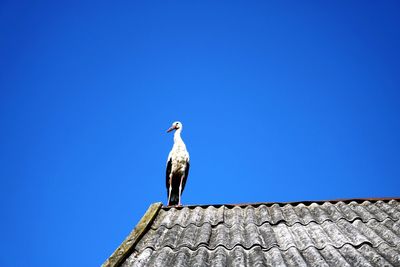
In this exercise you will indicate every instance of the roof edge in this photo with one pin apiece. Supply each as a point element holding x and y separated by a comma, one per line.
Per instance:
<point>123,251</point>
<point>305,202</point>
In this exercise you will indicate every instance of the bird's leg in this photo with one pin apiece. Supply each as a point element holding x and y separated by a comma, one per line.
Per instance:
<point>170,188</point>
<point>180,191</point>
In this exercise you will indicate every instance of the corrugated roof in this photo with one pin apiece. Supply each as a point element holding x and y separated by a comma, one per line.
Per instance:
<point>329,233</point>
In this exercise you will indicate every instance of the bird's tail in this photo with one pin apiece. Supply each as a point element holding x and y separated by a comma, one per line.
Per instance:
<point>174,200</point>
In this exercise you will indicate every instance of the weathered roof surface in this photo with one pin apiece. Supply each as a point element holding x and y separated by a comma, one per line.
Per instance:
<point>342,233</point>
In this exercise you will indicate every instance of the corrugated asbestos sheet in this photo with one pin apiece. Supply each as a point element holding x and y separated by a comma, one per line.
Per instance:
<point>317,234</point>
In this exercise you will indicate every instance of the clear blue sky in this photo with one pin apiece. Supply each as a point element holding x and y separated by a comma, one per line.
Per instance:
<point>280,101</point>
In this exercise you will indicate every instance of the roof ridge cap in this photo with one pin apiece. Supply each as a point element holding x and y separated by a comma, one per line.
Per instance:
<point>282,203</point>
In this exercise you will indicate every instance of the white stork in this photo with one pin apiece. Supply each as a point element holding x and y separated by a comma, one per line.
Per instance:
<point>177,167</point>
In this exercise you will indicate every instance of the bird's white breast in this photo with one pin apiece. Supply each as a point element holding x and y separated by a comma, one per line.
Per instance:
<point>179,158</point>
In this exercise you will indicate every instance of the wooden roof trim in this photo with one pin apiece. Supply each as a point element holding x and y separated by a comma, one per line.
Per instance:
<point>125,249</point>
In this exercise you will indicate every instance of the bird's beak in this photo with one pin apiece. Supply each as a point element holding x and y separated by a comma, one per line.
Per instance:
<point>171,129</point>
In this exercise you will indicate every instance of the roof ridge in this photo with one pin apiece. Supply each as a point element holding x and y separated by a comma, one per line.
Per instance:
<point>283,203</point>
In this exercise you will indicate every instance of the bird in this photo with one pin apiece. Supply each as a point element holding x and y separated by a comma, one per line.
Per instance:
<point>178,164</point>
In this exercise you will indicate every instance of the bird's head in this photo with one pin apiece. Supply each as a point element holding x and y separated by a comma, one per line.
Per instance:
<point>175,126</point>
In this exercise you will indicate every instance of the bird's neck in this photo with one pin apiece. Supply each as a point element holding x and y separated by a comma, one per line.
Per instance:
<point>177,137</point>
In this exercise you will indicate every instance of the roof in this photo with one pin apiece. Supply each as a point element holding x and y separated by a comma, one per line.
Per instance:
<point>324,233</point>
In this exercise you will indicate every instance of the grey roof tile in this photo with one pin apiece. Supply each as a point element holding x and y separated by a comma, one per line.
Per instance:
<point>281,235</point>
<point>372,256</point>
<point>343,233</point>
<point>391,254</point>
<point>346,255</point>
<point>275,214</point>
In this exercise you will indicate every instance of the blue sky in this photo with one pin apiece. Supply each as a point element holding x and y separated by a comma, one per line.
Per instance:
<point>280,101</point>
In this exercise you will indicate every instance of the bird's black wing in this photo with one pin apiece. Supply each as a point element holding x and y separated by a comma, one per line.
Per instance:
<point>186,175</point>
<point>168,171</point>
